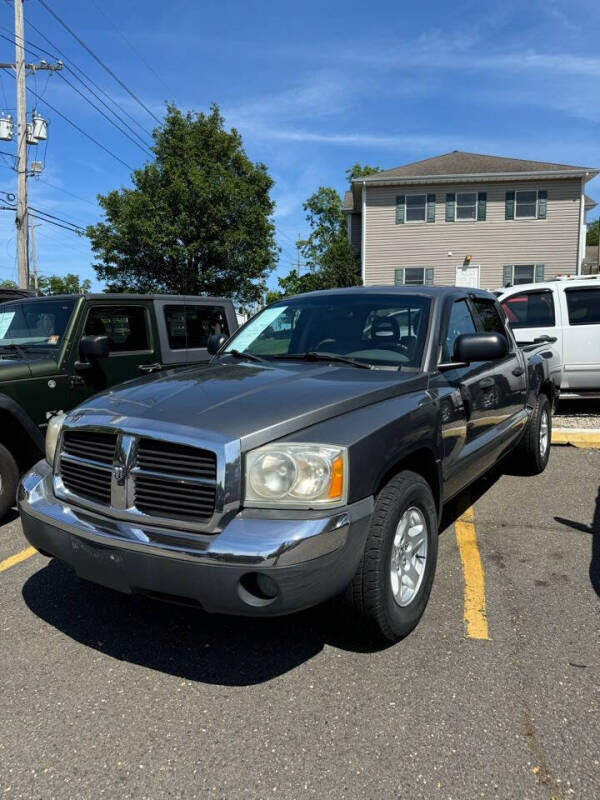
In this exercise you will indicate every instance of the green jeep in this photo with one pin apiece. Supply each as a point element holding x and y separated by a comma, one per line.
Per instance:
<point>57,351</point>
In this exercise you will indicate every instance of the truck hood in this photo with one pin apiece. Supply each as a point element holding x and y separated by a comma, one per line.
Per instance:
<point>254,403</point>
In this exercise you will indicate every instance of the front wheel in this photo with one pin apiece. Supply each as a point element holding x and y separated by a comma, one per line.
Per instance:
<point>533,451</point>
<point>392,584</point>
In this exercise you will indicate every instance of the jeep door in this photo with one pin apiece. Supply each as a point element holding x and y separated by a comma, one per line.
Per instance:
<point>132,342</point>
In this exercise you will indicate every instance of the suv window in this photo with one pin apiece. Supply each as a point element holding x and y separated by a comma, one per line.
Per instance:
<point>584,306</point>
<point>460,321</point>
<point>530,310</point>
<point>190,326</point>
<point>125,326</point>
<point>491,321</point>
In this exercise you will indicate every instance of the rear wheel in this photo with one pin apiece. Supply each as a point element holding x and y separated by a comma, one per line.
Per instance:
<point>392,584</point>
<point>533,451</point>
<point>9,479</point>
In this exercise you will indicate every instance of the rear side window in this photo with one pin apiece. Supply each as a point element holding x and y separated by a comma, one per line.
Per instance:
<point>584,306</point>
<point>460,321</point>
<point>530,310</point>
<point>125,326</point>
<point>491,321</point>
<point>190,326</point>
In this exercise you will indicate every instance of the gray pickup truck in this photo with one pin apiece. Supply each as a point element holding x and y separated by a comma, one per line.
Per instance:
<point>311,458</point>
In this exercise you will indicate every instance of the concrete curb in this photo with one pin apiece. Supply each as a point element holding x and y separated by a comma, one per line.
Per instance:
<point>577,437</point>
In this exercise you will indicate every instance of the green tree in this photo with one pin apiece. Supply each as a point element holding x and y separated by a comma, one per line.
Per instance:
<point>62,284</point>
<point>592,233</point>
<point>7,284</point>
<point>197,220</point>
<point>327,253</point>
<point>360,171</point>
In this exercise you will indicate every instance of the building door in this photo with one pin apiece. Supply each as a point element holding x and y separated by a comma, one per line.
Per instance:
<point>467,275</point>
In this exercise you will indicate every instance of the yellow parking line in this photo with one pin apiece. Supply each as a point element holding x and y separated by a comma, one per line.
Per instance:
<point>475,610</point>
<point>586,439</point>
<point>11,561</point>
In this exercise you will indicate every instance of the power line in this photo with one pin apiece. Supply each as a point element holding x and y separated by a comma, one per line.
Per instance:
<point>73,66</point>
<point>130,45</point>
<point>99,61</point>
<point>36,50</point>
<point>77,231</point>
<point>78,128</point>
<point>99,110</point>
<point>59,219</point>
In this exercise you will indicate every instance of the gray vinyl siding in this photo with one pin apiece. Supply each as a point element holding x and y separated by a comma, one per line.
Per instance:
<point>491,243</point>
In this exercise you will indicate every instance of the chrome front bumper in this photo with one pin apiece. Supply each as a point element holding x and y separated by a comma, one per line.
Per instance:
<point>310,555</point>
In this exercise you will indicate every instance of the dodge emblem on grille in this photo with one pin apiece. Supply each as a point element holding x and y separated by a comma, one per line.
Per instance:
<point>119,472</point>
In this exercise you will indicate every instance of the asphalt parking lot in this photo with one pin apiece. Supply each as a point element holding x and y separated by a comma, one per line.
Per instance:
<point>105,695</point>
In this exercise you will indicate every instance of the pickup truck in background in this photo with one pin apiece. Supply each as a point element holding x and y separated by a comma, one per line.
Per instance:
<point>57,351</point>
<point>311,458</point>
<point>567,311</point>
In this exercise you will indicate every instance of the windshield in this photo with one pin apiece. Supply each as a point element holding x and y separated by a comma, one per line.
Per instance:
<point>35,323</point>
<point>379,329</point>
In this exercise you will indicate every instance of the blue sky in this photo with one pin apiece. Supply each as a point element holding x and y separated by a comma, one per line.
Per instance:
<point>313,87</point>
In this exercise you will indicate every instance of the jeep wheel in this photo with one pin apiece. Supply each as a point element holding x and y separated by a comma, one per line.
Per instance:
<point>9,478</point>
<point>393,581</point>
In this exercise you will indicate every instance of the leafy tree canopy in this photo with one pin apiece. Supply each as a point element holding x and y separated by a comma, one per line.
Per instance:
<point>327,253</point>
<point>65,284</point>
<point>197,220</point>
<point>7,284</point>
<point>592,233</point>
<point>360,171</point>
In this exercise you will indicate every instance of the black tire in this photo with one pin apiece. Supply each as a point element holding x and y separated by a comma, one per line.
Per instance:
<point>371,592</point>
<point>9,480</point>
<point>529,455</point>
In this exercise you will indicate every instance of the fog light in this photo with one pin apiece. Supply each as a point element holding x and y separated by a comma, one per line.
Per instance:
<point>266,586</point>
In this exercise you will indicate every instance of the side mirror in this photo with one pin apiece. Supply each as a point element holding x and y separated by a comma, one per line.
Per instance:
<point>91,347</point>
<point>470,347</point>
<point>215,343</point>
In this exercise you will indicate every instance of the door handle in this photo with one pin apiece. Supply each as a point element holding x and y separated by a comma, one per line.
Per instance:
<point>486,383</point>
<point>148,368</point>
<point>517,371</point>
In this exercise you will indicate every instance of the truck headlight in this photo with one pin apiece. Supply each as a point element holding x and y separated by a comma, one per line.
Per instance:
<point>296,475</point>
<point>55,423</point>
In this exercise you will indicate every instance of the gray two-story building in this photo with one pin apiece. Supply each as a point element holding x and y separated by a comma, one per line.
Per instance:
<point>469,220</point>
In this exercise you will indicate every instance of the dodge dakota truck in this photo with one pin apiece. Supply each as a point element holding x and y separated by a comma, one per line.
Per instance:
<point>310,459</point>
<point>57,351</point>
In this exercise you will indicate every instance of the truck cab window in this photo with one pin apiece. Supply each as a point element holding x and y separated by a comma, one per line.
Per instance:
<point>460,321</point>
<point>490,319</point>
<point>530,310</point>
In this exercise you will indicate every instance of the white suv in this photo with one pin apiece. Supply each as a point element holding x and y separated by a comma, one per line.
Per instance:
<point>568,309</point>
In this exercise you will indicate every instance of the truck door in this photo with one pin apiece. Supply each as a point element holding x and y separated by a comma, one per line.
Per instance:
<point>132,347</point>
<point>581,342</point>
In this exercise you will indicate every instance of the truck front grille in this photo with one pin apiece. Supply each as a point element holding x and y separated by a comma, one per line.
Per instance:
<point>91,444</point>
<point>135,476</point>
<point>85,480</point>
<point>175,480</point>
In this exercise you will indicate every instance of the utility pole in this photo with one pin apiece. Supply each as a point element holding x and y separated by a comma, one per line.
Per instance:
<point>298,250</point>
<point>21,220</point>
<point>34,256</point>
<point>21,70</point>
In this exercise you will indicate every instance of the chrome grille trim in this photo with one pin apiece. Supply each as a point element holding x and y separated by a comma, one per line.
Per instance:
<point>205,504</point>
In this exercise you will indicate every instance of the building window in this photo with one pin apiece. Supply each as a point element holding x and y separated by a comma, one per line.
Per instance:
<point>466,205</point>
<point>416,207</point>
<point>526,205</point>
<point>516,274</point>
<point>414,276</point>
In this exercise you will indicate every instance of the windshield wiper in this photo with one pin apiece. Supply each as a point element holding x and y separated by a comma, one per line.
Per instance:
<point>14,348</point>
<point>314,355</point>
<point>240,355</point>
